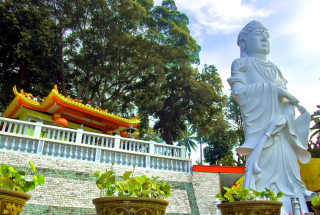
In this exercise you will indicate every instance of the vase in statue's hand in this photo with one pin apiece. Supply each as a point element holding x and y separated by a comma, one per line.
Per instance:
<point>285,94</point>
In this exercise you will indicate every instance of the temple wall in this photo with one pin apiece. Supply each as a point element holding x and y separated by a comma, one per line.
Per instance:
<point>70,186</point>
<point>206,185</point>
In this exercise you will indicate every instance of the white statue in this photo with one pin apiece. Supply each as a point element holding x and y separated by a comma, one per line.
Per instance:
<point>274,137</point>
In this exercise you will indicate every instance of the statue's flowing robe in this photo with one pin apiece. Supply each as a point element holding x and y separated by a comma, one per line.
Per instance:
<point>260,104</point>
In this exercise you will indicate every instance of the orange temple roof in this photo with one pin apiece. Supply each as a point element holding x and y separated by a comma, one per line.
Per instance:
<point>71,109</point>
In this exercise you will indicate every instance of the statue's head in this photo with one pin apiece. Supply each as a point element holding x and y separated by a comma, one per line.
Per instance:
<point>254,38</point>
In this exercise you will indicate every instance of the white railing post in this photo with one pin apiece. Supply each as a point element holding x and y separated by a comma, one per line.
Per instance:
<point>98,155</point>
<point>151,148</point>
<point>148,158</point>
<point>38,127</point>
<point>117,141</point>
<point>183,152</point>
<point>190,166</point>
<point>37,132</point>
<point>79,134</point>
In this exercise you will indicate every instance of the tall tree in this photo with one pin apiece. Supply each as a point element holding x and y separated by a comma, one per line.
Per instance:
<point>220,145</point>
<point>233,114</point>
<point>28,49</point>
<point>127,56</point>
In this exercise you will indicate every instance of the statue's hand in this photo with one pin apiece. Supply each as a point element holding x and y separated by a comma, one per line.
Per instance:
<point>282,92</point>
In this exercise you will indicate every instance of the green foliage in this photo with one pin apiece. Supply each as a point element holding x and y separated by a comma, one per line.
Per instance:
<point>188,138</point>
<point>130,186</point>
<point>125,56</point>
<point>233,114</point>
<point>245,194</point>
<point>12,179</point>
<point>316,118</point>
<point>199,162</point>
<point>189,97</point>
<point>28,51</point>
<point>314,146</point>
<point>220,146</point>
<point>148,134</point>
<point>316,200</point>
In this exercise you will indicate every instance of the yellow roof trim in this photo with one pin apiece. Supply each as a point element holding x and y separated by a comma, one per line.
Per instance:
<point>26,97</point>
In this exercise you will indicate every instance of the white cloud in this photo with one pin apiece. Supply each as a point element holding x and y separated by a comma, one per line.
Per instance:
<point>216,16</point>
<point>305,29</point>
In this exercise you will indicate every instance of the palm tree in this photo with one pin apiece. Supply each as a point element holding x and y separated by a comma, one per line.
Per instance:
<point>198,162</point>
<point>188,139</point>
<point>201,137</point>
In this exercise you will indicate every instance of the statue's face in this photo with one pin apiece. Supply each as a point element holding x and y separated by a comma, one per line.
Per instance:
<point>258,41</point>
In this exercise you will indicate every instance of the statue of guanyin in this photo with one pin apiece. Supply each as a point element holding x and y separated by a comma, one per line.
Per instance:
<point>274,137</point>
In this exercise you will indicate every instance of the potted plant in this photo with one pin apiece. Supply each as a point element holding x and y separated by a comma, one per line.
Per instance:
<point>14,188</point>
<point>249,201</point>
<point>316,204</point>
<point>135,195</point>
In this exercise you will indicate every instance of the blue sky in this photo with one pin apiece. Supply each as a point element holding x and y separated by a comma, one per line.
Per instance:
<point>294,32</point>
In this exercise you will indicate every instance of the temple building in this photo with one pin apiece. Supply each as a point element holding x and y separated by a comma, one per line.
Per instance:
<point>57,109</point>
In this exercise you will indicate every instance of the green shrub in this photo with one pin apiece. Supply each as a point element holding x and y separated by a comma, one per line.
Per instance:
<point>245,194</point>
<point>130,186</point>
<point>11,179</point>
<point>316,200</point>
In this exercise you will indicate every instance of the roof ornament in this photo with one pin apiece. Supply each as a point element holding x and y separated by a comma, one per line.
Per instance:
<point>55,88</point>
<point>40,119</point>
<point>131,132</point>
<point>135,118</point>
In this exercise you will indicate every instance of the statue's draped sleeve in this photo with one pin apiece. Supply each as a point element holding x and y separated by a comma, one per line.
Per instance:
<point>259,103</point>
<point>238,69</point>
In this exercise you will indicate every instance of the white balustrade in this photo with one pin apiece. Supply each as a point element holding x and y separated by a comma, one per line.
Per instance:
<point>53,141</point>
<point>95,139</point>
<point>170,164</point>
<point>169,150</point>
<point>58,133</point>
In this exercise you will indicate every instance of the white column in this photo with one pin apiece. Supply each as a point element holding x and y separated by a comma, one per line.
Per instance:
<point>148,158</point>
<point>79,134</point>
<point>183,152</point>
<point>98,155</point>
<point>37,129</point>
<point>117,141</point>
<point>37,132</point>
<point>190,167</point>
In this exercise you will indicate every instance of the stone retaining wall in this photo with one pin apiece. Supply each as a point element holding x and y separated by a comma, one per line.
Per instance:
<point>70,186</point>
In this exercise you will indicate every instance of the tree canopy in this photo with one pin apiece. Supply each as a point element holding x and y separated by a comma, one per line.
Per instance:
<point>127,56</point>
<point>314,145</point>
<point>233,115</point>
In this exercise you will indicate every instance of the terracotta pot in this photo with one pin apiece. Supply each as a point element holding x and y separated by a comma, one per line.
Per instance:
<point>12,202</point>
<point>130,206</point>
<point>316,209</point>
<point>251,207</point>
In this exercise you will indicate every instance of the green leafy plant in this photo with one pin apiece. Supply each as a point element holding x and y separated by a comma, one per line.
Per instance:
<point>11,179</point>
<point>248,194</point>
<point>129,185</point>
<point>316,200</point>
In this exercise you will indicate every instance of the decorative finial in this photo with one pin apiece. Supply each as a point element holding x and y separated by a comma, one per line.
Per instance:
<point>15,90</point>
<point>55,88</point>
